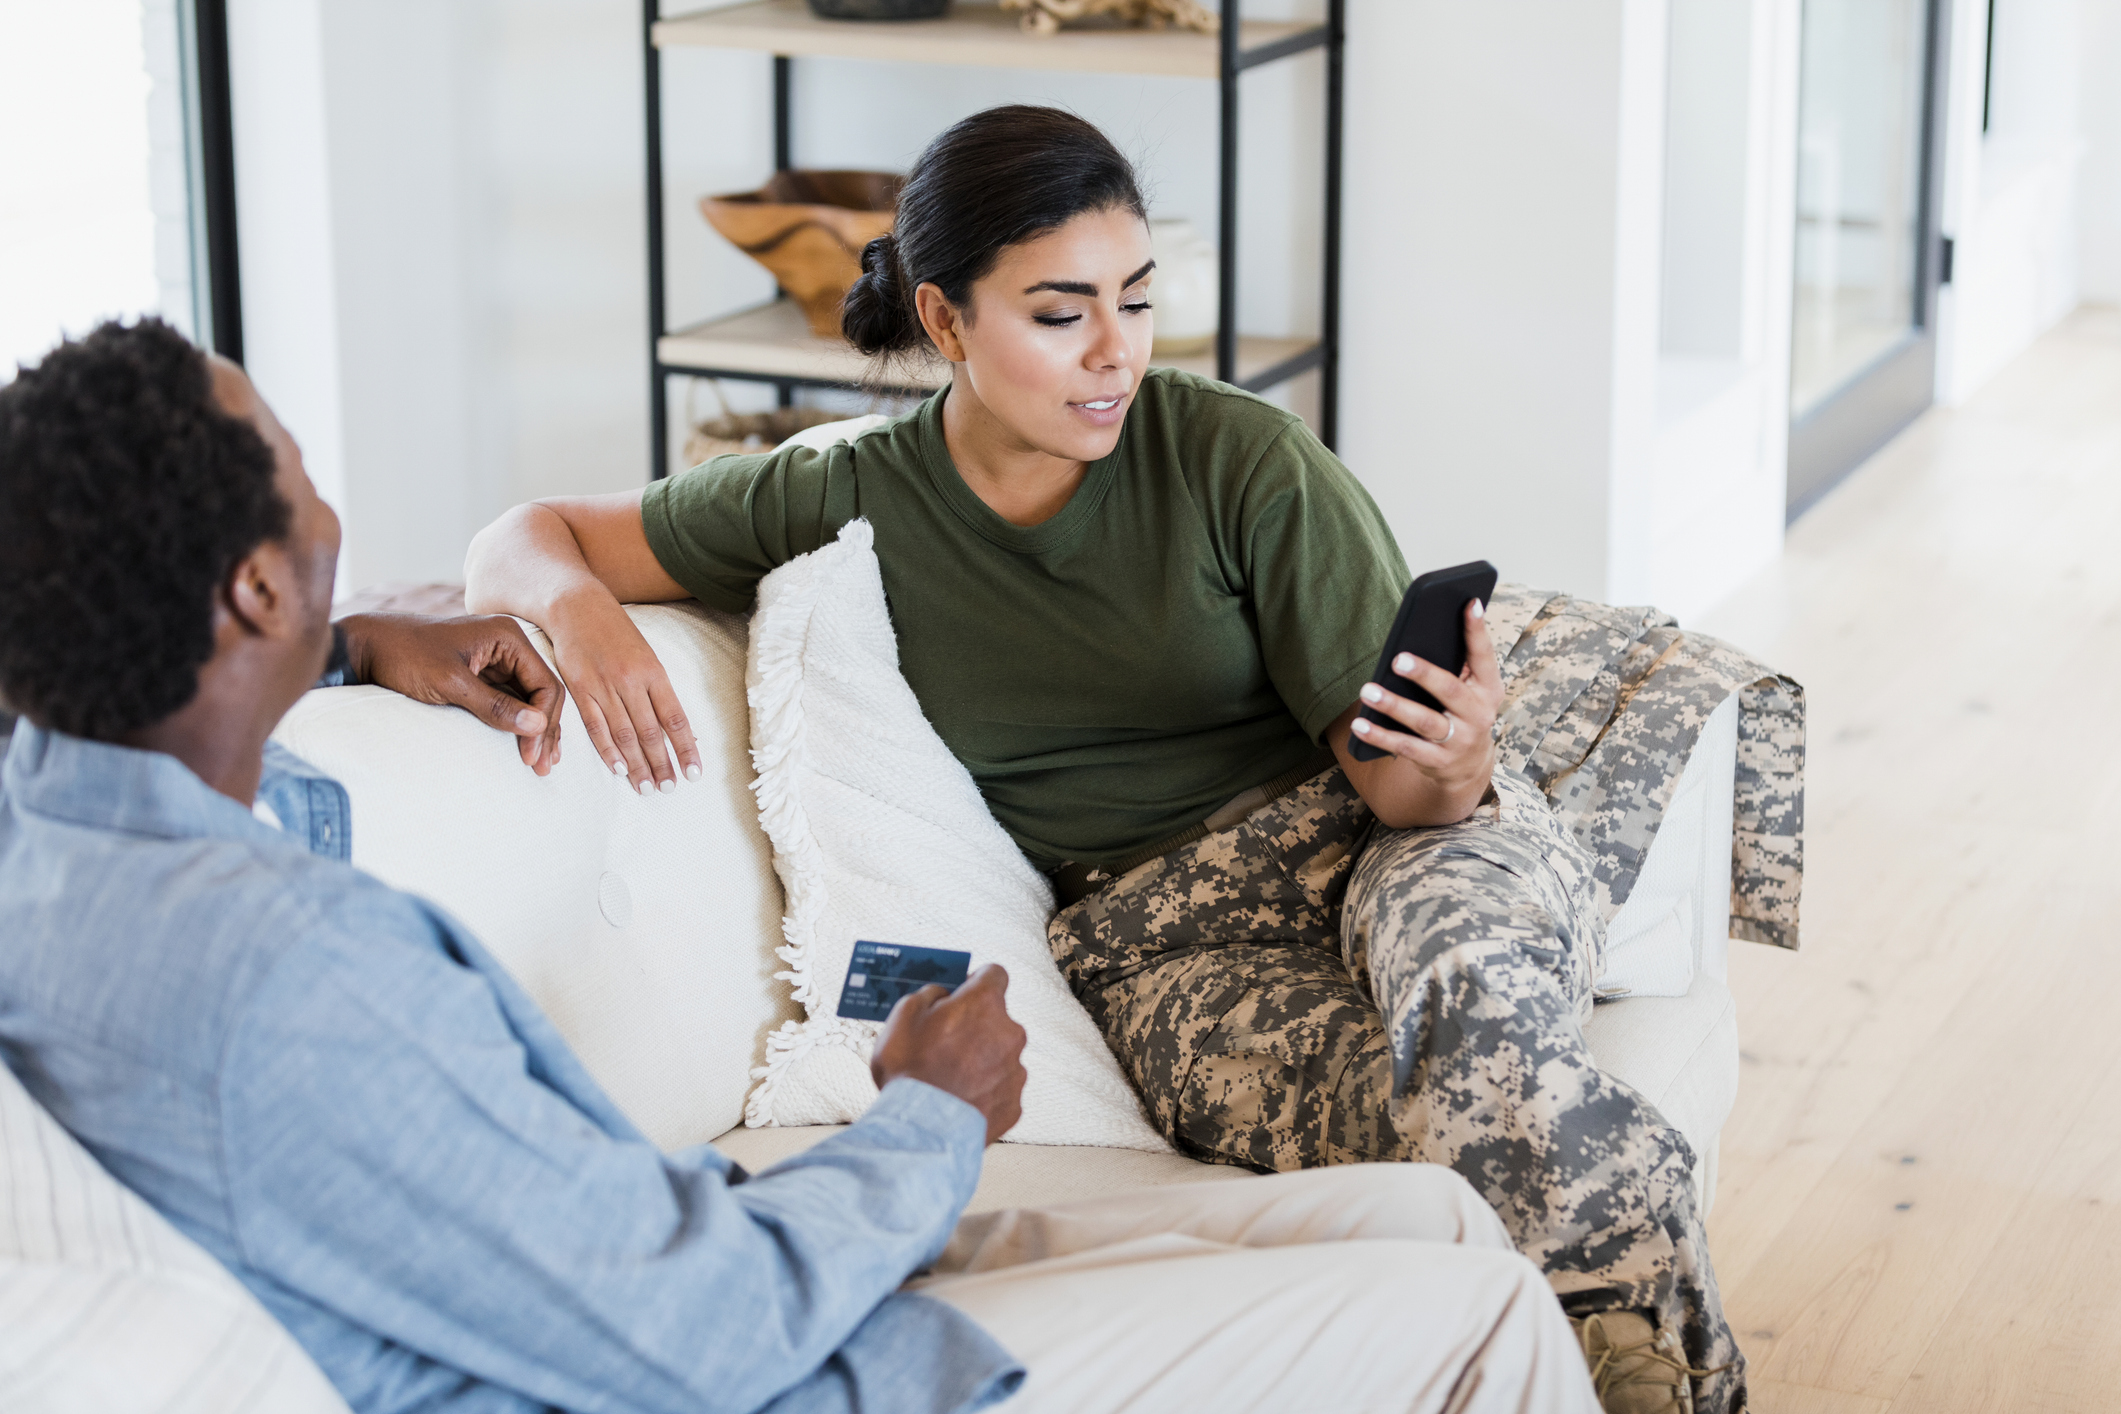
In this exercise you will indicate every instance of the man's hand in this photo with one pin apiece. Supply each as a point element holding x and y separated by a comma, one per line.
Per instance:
<point>481,663</point>
<point>962,1042</point>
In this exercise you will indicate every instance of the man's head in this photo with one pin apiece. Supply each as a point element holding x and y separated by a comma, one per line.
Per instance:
<point>156,527</point>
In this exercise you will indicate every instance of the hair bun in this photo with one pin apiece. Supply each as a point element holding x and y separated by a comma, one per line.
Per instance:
<point>877,316</point>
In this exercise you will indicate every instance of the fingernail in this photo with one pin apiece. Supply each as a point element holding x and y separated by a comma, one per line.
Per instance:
<point>1405,663</point>
<point>644,787</point>
<point>1371,692</point>
<point>693,772</point>
<point>1362,726</point>
<point>666,787</point>
<point>618,768</point>
<point>528,721</point>
<point>1480,610</point>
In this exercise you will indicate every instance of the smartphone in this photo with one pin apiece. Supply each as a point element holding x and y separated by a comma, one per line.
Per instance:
<point>1432,626</point>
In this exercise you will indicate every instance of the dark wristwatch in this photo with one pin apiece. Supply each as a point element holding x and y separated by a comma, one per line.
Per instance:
<point>338,668</point>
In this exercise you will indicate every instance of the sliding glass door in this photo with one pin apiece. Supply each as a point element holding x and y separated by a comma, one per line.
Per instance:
<point>1863,337</point>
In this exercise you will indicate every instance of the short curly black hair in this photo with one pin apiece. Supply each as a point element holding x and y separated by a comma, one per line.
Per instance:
<point>126,497</point>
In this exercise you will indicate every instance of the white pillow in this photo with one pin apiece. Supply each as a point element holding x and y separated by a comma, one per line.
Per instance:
<point>879,833</point>
<point>104,1306</point>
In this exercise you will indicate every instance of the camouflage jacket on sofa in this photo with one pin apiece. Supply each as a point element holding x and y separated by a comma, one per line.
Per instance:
<point>1603,705</point>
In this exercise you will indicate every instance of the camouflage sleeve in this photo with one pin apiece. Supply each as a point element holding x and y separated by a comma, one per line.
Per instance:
<point>1767,831</point>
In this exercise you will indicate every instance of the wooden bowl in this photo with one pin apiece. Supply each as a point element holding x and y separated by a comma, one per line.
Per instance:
<point>809,228</point>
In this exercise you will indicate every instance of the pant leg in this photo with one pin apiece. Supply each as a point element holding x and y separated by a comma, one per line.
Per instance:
<point>1397,1202</point>
<point>1481,942</point>
<point>1220,977</point>
<point>1337,1328</point>
<point>1215,974</point>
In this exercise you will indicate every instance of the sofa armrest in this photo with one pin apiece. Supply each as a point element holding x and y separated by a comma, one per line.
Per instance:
<point>1676,921</point>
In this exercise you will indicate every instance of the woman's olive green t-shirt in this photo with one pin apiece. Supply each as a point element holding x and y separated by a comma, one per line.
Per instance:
<point>1209,600</point>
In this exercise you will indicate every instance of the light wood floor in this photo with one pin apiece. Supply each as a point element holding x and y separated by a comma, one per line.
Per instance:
<point>1920,1207</point>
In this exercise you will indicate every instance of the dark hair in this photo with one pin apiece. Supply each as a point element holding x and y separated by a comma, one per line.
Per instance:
<point>991,180</point>
<point>126,497</point>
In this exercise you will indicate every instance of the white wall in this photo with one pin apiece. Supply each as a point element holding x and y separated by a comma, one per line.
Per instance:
<point>2099,119</point>
<point>284,233</point>
<point>1530,377</point>
<point>2011,196</point>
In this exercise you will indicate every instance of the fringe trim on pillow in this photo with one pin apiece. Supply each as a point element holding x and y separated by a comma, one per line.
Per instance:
<point>773,684</point>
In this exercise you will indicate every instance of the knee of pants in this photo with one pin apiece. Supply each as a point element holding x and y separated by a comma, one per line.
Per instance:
<point>1421,1202</point>
<point>1485,1291</point>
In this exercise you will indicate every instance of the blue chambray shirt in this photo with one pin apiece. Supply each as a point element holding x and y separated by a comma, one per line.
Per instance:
<point>335,1090</point>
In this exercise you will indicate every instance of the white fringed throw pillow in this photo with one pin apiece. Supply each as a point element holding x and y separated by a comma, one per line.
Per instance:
<point>879,833</point>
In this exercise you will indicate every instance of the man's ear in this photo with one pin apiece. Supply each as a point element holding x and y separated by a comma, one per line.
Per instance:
<point>940,318</point>
<point>259,594</point>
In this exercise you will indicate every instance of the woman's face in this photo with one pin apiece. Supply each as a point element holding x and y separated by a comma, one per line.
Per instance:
<point>1057,334</point>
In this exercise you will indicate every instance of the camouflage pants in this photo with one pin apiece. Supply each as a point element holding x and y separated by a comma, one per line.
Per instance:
<point>1293,992</point>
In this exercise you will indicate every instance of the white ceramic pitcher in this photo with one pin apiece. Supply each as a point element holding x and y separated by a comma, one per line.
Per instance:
<point>1184,291</point>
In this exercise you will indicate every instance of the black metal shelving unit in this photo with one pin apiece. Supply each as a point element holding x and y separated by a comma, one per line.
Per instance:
<point>1233,58</point>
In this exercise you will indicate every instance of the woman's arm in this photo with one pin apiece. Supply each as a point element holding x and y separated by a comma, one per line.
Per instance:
<point>1437,771</point>
<point>567,565</point>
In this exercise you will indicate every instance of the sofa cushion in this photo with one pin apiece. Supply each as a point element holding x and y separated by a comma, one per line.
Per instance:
<point>1679,1053</point>
<point>642,925</point>
<point>879,833</point>
<point>1013,1175</point>
<point>104,1306</point>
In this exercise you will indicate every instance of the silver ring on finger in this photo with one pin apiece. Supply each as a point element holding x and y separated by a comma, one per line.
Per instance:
<point>1453,731</point>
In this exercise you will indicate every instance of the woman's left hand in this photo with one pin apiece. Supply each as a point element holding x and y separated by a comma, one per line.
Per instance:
<point>1437,769</point>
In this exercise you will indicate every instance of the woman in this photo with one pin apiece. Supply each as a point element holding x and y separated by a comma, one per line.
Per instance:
<point>1142,608</point>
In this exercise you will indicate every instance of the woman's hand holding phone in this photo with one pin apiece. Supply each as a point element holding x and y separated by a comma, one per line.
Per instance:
<point>1437,768</point>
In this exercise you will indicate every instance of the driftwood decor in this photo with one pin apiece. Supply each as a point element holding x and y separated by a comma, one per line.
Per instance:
<point>1047,16</point>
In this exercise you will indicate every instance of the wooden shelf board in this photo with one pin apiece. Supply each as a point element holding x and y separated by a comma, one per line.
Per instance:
<point>971,34</point>
<point>774,339</point>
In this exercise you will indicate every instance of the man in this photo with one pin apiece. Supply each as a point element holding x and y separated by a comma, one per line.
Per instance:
<point>339,1094</point>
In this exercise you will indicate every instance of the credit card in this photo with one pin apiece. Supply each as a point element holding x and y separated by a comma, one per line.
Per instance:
<point>880,973</point>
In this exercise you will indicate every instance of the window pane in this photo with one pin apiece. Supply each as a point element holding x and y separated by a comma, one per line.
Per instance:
<point>94,185</point>
<point>1859,189</point>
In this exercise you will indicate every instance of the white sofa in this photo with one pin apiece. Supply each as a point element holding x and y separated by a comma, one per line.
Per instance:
<point>645,927</point>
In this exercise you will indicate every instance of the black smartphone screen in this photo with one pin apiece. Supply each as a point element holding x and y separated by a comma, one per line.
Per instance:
<point>1432,626</point>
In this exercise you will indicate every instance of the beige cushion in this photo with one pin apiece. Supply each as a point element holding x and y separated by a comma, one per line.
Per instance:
<point>643,926</point>
<point>1014,1175</point>
<point>104,1306</point>
<point>1681,1054</point>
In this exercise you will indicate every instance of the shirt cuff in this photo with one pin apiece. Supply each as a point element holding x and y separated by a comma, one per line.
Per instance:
<point>338,668</point>
<point>958,1124</point>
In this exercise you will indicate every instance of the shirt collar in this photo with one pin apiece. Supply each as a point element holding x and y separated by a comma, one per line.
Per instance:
<point>108,787</point>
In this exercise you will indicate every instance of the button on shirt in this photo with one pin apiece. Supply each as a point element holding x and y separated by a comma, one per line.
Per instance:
<point>334,1089</point>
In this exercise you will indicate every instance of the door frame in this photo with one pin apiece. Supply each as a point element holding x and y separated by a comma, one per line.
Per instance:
<point>1872,406</point>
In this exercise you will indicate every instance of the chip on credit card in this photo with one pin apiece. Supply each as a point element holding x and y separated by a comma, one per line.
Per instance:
<point>880,973</point>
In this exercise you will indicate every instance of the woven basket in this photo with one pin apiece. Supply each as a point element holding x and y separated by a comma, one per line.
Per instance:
<point>809,228</point>
<point>748,431</point>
